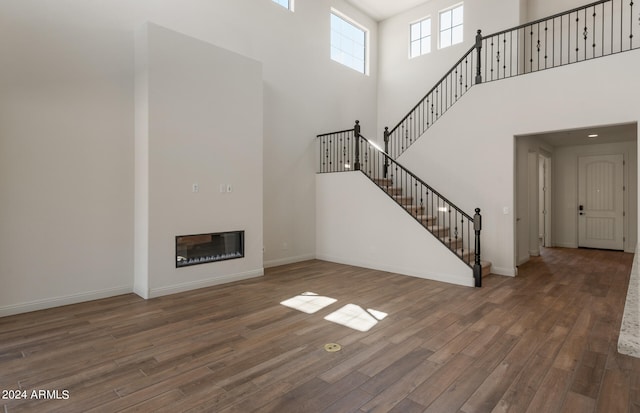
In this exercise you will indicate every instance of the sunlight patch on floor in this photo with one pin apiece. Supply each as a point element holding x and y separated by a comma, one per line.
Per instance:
<point>356,317</point>
<point>308,302</point>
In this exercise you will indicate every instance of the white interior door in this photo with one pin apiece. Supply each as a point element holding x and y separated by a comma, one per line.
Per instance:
<point>600,199</point>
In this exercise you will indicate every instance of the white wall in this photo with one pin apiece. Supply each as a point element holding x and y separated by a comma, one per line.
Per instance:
<point>402,82</point>
<point>468,154</point>
<point>358,224</point>
<point>539,9</point>
<point>66,159</point>
<point>67,131</point>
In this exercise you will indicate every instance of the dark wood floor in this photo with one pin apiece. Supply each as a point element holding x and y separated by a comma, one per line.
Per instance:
<point>544,341</point>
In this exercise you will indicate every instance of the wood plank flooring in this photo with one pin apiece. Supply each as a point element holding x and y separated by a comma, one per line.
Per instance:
<point>544,341</point>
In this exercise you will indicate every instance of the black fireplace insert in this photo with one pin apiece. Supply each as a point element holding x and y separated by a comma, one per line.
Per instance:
<point>205,248</point>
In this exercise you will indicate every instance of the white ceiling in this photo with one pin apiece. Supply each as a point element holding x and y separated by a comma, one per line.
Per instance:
<point>383,9</point>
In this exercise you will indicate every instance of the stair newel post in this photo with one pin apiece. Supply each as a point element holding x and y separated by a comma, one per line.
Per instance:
<point>477,267</point>
<point>479,62</point>
<point>386,150</point>
<point>356,135</point>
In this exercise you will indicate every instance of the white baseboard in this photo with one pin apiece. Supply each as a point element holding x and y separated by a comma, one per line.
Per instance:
<point>447,278</point>
<point>565,245</point>
<point>64,300</point>
<point>288,260</point>
<point>143,293</point>
<point>510,272</point>
<point>194,285</point>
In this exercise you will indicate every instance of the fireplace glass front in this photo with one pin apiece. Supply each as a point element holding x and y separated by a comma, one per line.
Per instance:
<point>204,248</point>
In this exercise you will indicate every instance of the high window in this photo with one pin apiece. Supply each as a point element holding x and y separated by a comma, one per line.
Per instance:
<point>287,4</point>
<point>348,42</point>
<point>420,37</point>
<point>451,26</point>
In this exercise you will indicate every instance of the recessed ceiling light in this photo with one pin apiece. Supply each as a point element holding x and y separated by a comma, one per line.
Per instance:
<point>593,136</point>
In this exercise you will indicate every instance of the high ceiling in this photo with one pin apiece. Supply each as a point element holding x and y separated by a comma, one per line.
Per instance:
<point>383,9</point>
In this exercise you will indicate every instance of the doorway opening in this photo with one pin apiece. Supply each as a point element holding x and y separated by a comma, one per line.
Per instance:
<point>548,194</point>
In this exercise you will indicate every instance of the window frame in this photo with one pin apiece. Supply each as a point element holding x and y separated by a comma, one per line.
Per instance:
<point>345,18</point>
<point>289,5</point>
<point>451,27</point>
<point>422,38</point>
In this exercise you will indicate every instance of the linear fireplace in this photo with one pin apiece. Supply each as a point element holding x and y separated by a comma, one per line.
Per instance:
<point>204,248</point>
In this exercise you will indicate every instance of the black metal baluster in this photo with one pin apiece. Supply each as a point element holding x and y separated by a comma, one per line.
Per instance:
<point>445,93</point>
<point>612,27</point>
<point>414,195</point>
<point>321,153</point>
<point>585,34</point>
<point>593,35</point>
<point>338,145</point>
<point>561,20</point>
<point>538,47</point>
<point>504,55</point>
<point>423,128</point>
<point>491,71</point>
<point>602,44</point>
<point>511,54</point>
<point>621,25</point>
<point>531,46</point>
<point>466,73</point>
<point>553,43</point>
<point>577,36</point>
<point>448,235</point>
<point>356,135</point>
<point>631,25</point>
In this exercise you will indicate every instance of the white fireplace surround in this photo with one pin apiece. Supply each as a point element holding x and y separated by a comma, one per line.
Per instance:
<point>197,108</point>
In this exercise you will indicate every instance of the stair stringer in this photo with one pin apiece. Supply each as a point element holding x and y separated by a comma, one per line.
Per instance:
<point>358,224</point>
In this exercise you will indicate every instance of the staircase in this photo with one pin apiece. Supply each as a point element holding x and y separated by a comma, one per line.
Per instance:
<point>595,30</point>
<point>429,220</point>
<point>458,231</point>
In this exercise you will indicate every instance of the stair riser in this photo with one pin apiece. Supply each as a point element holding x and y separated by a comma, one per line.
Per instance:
<point>438,231</point>
<point>453,244</point>
<point>383,181</point>
<point>426,221</point>
<point>404,200</point>
<point>414,210</point>
<point>393,191</point>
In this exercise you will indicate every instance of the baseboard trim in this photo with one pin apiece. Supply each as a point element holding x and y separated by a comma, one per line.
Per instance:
<point>565,245</point>
<point>64,300</point>
<point>288,260</point>
<point>194,285</point>
<point>509,272</point>
<point>447,278</point>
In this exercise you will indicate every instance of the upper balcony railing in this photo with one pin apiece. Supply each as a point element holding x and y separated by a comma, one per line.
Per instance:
<point>595,30</point>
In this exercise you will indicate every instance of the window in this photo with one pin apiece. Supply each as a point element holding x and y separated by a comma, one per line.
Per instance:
<point>420,38</point>
<point>451,26</point>
<point>287,4</point>
<point>348,43</point>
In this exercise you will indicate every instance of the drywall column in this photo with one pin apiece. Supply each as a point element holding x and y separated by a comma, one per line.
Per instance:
<point>198,158</point>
